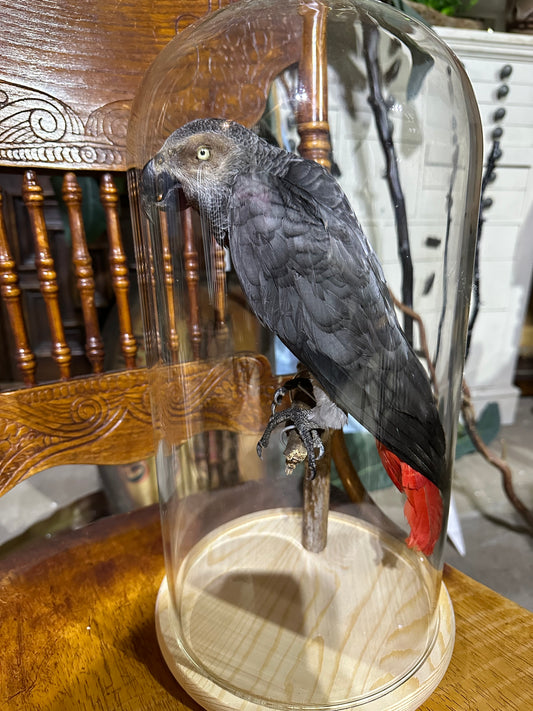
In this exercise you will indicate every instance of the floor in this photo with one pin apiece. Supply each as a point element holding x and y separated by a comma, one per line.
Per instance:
<point>498,549</point>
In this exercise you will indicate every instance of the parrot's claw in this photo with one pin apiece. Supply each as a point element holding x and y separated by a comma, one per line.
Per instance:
<point>278,397</point>
<point>300,418</point>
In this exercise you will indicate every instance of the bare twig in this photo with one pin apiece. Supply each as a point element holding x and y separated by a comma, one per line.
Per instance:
<point>294,452</point>
<point>423,340</point>
<point>316,501</point>
<point>315,491</point>
<point>469,417</point>
<point>384,129</point>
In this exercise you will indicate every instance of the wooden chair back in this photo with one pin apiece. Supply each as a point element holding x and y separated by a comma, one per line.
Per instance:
<point>67,81</point>
<point>66,103</point>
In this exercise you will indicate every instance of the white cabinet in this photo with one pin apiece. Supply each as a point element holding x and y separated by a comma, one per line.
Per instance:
<point>507,237</point>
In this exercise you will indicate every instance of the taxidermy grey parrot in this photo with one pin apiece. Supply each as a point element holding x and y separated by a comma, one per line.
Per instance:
<point>311,277</point>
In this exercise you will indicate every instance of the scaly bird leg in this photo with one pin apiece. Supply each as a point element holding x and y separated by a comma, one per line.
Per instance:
<point>299,416</point>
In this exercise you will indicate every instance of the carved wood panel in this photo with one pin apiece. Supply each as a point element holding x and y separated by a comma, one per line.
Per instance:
<point>99,419</point>
<point>233,394</point>
<point>107,419</point>
<point>36,129</point>
<point>69,71</point>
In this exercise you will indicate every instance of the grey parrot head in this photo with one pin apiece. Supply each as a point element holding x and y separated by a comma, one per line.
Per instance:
<point>203,158</point>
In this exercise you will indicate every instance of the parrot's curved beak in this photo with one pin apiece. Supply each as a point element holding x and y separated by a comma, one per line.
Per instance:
<point>156,187</point>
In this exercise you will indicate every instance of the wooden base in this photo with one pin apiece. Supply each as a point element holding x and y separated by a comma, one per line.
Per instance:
<point>259,622</point>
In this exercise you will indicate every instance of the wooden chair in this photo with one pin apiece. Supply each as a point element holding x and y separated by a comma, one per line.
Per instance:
<point>67,80</point>
<point>52,120</point>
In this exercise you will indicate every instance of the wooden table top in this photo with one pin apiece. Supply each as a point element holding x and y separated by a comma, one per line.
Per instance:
<point>77,629</point>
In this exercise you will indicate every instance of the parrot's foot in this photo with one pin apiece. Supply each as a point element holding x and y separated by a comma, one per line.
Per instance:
<point>300,383</point>
<point>300,418</point>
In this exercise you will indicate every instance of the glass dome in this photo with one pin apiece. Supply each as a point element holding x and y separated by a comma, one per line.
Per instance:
<point>309,578</point>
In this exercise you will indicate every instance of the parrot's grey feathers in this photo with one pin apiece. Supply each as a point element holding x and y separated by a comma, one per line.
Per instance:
<point>321,289</point>
<point>312,278</point>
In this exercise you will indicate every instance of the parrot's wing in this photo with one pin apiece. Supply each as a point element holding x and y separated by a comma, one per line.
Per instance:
<point>311,277</point>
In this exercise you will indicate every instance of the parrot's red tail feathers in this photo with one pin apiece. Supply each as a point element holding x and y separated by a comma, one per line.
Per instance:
<point>423,508</point>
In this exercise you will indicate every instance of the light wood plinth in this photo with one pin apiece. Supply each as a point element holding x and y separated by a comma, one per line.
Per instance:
<point>267,624</point>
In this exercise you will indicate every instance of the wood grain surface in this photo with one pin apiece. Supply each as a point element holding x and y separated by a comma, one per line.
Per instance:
<point>222,66</point>
<point>77,630</point>
<point>69,72</point>
<point>107,418</point>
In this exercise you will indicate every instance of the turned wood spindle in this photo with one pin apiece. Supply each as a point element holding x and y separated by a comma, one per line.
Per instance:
<point>220,291</point>
<point>119,268</point>
<point>83,270</point>
<point>192,279</point>
<point>11,296</point>
<point>169,285</point>
<point>32,195</point>
<point>312,111</point>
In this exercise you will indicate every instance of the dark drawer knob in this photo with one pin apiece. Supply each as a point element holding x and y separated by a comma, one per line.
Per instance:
<point>506,71</point>
<point>503,90</point>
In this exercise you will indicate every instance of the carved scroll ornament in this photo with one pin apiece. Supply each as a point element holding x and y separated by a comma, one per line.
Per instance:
<point>233,394</point>
<point>99,419</point>
<point>37,129</point>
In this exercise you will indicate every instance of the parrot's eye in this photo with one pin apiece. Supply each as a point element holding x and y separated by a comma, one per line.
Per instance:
<point>203,153</point>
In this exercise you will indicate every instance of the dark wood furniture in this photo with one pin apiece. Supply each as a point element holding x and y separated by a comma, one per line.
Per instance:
<point>68,78</point>
<point>67,81</point>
